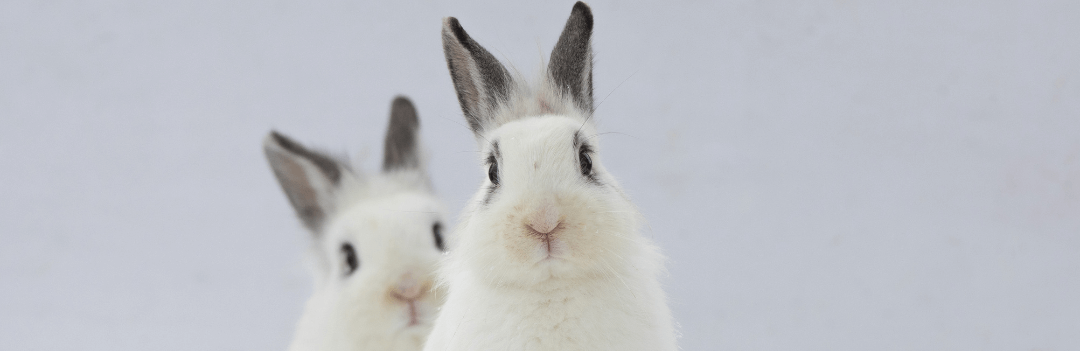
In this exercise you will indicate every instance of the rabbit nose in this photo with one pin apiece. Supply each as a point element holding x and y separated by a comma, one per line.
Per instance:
<point>408,288</point>
<point>546,219</point>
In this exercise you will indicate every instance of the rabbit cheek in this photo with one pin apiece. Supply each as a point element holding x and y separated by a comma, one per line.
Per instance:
<point>588,235</point>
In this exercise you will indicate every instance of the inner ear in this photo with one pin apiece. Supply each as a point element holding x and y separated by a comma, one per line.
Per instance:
<point>570,66</point>
<point>310,179</point>
<point>481,82</point>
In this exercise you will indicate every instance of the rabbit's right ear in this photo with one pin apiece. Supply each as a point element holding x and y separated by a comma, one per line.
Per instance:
<point>310,179</point>
<point>482,83</point>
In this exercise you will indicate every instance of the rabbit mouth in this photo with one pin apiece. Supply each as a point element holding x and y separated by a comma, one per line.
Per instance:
<point>412,313</point>
<point>549,244</point>
<point>411,308</point>
<point>414,319</point>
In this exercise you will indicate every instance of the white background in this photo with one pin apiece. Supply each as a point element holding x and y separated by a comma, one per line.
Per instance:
<point>824,175</point>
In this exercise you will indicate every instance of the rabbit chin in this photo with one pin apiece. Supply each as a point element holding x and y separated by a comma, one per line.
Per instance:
<point>389,326</point>
<point>415,317</point>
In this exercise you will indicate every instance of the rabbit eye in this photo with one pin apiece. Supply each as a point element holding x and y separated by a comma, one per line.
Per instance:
<point>585,161</point>
<point>493,170</point>
<point>351,262</point>
<point>436,230</point>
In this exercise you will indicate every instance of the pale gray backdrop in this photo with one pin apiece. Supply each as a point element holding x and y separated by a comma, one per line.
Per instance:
<point>824,175</point>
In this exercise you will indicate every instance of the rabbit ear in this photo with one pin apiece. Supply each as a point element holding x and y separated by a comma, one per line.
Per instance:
<point>570,67</point>
<point>310,179</point>
<point>402,149</point>
<point>480,80</point>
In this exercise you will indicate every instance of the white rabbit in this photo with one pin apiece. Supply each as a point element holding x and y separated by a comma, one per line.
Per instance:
<point>376,241</point>
<point>548,253</point>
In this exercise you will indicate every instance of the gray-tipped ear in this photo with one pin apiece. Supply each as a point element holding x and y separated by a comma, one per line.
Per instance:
<point>570,67</point>
<point>310,179</point>
<point>481,82</point>
<point>402,149</point>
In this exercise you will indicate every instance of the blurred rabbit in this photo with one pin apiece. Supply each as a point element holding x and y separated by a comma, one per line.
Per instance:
<point>548,254</point>
<point>376,241</point>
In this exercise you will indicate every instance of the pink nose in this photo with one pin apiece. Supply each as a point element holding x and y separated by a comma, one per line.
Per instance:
<point>408,288</point>
<point>545,219</point>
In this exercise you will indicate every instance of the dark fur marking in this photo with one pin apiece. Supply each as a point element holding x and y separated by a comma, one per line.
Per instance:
<point>400,149</point>
<point>325,164</point>
<point>583,147</point>
<point>570,66</point>
<point>493,76</point>
<point>493,159</point>
<point>352,262</point>
<point>293,180</point>
<point>490,194</point>
<point>436,230</point>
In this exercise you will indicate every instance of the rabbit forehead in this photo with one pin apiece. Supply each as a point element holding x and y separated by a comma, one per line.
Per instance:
<point>539,133</point>
<point>396,225</point>
<point>536,155</point>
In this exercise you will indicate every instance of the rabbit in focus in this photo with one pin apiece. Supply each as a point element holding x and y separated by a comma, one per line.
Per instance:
<point>376,239</point>
<point>548,253</point>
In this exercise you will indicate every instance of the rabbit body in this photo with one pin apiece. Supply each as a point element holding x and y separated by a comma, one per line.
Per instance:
<point>548,253</point>
<point>376,243</point>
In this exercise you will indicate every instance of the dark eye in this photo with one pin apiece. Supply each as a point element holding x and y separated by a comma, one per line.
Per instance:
<point>585,161</point>
<point>493,170</point>
<point>351,262</point>
<point>436,230</point>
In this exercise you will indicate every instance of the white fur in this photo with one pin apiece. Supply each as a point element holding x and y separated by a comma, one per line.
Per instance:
<point>391,233</point>
<point>388,219</point>
<point>600,291</point>
<point>549,254</point>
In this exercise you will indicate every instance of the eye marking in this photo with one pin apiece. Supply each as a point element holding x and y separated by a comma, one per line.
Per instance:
<point>585,163</point>
<point>351,261</point>
<point>493,171</point>
<point>436,230</point>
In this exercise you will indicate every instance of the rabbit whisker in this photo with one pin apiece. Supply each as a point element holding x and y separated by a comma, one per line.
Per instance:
<point>616,274</point>
<point>455,122</point>
<point>613,90</point>
<point>388,210</point>
<point>593,112</point>
<point>622,237</point>
<point>465,126</point>
<point>599,134</point>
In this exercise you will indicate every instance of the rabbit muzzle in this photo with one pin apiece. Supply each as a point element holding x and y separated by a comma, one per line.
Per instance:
<point>544,222</point>
<point>409,290</point>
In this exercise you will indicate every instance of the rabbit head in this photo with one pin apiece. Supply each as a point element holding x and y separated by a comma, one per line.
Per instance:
<point>376,240</point>
<point>547,209</point>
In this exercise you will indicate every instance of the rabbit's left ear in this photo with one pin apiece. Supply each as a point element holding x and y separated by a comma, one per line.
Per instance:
<point>570,67</point>
<point>481,82</point>
<point>402,150</point>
